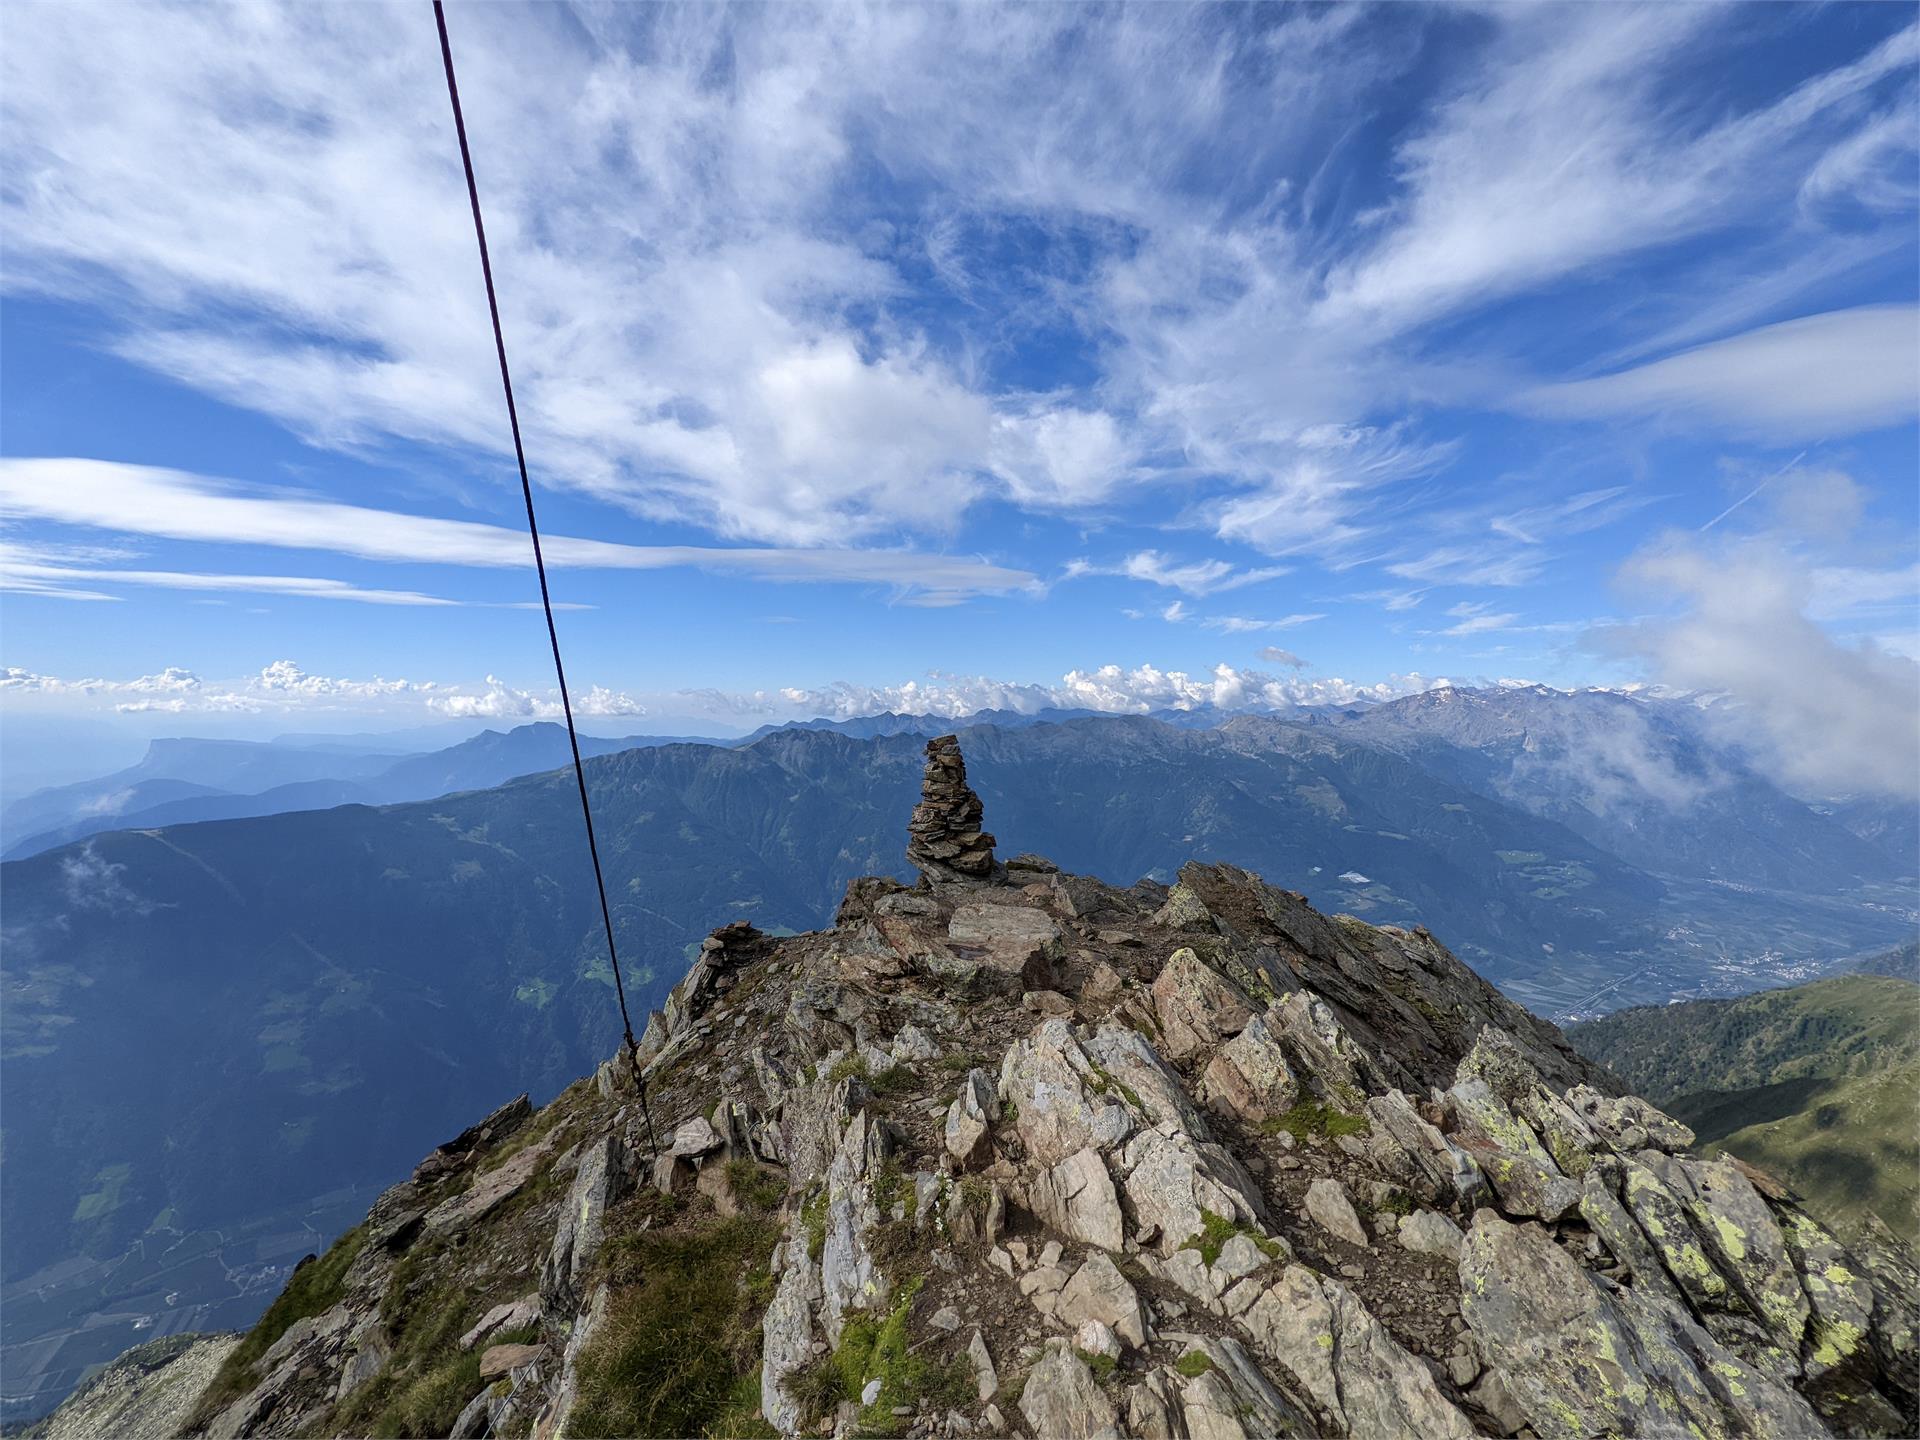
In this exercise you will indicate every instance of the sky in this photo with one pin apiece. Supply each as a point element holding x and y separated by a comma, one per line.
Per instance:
<point>938,358</point>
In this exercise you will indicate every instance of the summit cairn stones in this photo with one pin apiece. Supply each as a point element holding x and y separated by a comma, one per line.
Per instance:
<point>944,838</point>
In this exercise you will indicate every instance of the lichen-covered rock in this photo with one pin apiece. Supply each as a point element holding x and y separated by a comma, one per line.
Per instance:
<point>1746,1244</point>
<point>1227,1398</point>
<point>1627,1122</point>
<point>1126,1065</point>
<point>1583,1358</point>
<point>1354,1370</point>
<point>787,1330</point>
<point>1184,910</point>
<point>1600,1207</point>
<point>1662,1218</point>
<point>600,1181</point>
<point>1333,1063</point>
<point>1050,1083</point>
<point>1409,1148</point>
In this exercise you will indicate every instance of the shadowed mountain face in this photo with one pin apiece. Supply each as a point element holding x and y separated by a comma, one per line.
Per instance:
<point>214,1023</point>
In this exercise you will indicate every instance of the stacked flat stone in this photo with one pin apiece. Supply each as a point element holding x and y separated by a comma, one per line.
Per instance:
<point>944,838</point>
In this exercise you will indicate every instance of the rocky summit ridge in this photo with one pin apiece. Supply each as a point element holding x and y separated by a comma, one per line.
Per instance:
<point>1018,1152</point>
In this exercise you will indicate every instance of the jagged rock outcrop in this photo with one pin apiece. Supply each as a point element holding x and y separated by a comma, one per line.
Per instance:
<point>1027,1153</point>
<point>945,840</point>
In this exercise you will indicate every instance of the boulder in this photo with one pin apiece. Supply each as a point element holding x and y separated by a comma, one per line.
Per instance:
<point>1077,1198</point>
<point>1405,1145</point>
<point>787,1330</point>
<point>1061,1402</point>
<point>489,1189</point>
<point>1184,910</point>
<point>1427,1232</point>
<point>1094,1339</point>
<point>599,1182</point>
<point>850,1278</point>
<point>1744,1240</point>
<point>1173,1182</point>
<point>1098,1291</point>
<point>1229,1398</point>
<point>1196,1005</point>
<point>507,1315</point>
<point>1249,1078</point>
<point>1354,1370</point>
<point>1016,942</point>
<point>1126,1066</point>
<point>970,1117</point>
<point>1330,1060</point>
<point>499,1360</point>
<point>1333,1212</point>
<point>986,1377</point>
<point>1626,1122</point>
<point>1050,1082</point>
<point>695,1138</point>
<point>1661,1216</point>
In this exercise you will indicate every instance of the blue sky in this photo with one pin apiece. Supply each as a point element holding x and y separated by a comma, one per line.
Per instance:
<point>926,358</point>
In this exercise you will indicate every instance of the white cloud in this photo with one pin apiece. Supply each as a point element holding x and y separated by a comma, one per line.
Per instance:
<point>1390,599</point>
<point>1483,564</point>
<point>1191,577</point>
<point>501,701</point>
<point>147,500</point>
<point>1274,655</point>
<point>1473,618</point>
<point>29,576</point>
<point>1244,625</point>
<point>1563,152</point>
<point>1829,717</point>
<point>717,320</point>
<point>1110,689</point>
<point>1822,375</point>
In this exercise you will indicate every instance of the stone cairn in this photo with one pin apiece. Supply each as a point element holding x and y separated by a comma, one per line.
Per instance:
<point>944,838</point>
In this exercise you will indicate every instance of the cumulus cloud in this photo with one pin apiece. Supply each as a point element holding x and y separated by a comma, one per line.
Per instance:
<point>1110,689</point>
<point>501,701</point>
<point>1274,655</point>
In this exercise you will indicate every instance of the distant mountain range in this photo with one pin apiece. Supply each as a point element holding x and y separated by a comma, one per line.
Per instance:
<point>184,781</point>
<point>214,1032</point>
<point>1815,1083</point>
